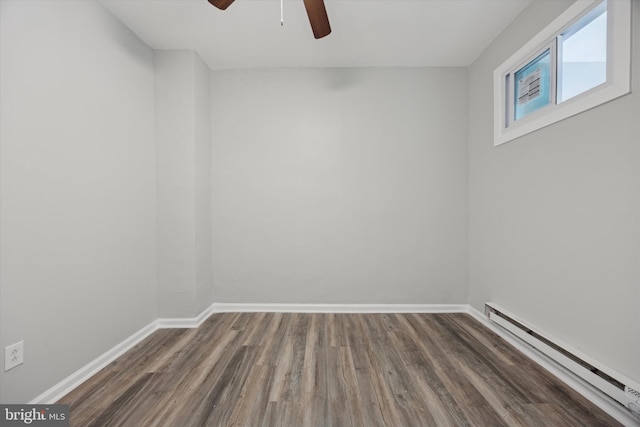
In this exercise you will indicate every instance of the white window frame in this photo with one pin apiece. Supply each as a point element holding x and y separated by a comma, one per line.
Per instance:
<point>618,71</point>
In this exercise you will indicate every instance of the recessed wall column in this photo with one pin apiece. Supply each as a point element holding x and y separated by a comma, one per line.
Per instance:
<point>183,183</point>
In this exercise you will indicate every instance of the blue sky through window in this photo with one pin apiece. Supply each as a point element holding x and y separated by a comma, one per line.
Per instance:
<point>584,59</point>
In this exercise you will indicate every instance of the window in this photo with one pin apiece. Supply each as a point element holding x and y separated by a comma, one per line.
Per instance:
<point>532,86</point>
<point>581,60</point>
<point>582,54</point>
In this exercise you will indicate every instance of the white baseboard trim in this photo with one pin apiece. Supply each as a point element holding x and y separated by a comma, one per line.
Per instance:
<point>67,385</point>
<point>338,308</point>
<point>193,322</point>
<point>604,402</point>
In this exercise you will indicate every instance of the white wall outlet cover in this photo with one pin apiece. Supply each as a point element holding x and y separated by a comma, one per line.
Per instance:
<point>13,355</point>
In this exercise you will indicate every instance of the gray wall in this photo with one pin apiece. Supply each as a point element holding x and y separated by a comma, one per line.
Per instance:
<point>202,178</point>
<point>340,185</point>
<point>554,216</point>
<point>77,176</point>
<point>183,183</point>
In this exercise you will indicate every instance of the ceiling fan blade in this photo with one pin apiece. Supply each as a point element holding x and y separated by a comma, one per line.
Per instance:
<point>221,4</point>
<point>317,17</point>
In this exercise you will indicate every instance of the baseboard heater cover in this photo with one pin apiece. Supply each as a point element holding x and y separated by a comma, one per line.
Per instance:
<point>623,390</point>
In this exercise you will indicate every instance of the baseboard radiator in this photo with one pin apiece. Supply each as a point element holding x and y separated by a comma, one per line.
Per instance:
<point>623,390</point>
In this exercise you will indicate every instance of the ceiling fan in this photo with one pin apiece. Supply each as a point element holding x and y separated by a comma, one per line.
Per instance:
<point>315,10</point>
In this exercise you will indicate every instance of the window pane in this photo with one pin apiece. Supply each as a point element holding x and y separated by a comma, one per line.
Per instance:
<point>583,63</point>
<point>532,89</point>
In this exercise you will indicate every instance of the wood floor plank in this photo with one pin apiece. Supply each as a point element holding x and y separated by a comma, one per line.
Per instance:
<point>314,379</point>
<point>422,366</point>
<point>361,364</point>
<point>442,350</point>
<point>275,369</point>
<point>403,389</point>
<point>476,355</point>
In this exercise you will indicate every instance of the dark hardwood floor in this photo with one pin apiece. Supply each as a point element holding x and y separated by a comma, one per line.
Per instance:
<point>273,369</point>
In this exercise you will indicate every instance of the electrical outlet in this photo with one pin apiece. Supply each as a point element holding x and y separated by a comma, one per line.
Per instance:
<point>13,355</point>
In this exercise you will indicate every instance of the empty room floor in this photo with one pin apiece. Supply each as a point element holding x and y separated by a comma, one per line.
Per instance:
<point>275,369</point>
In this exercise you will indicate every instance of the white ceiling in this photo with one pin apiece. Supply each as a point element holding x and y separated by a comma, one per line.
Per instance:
<point>376,33</point>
